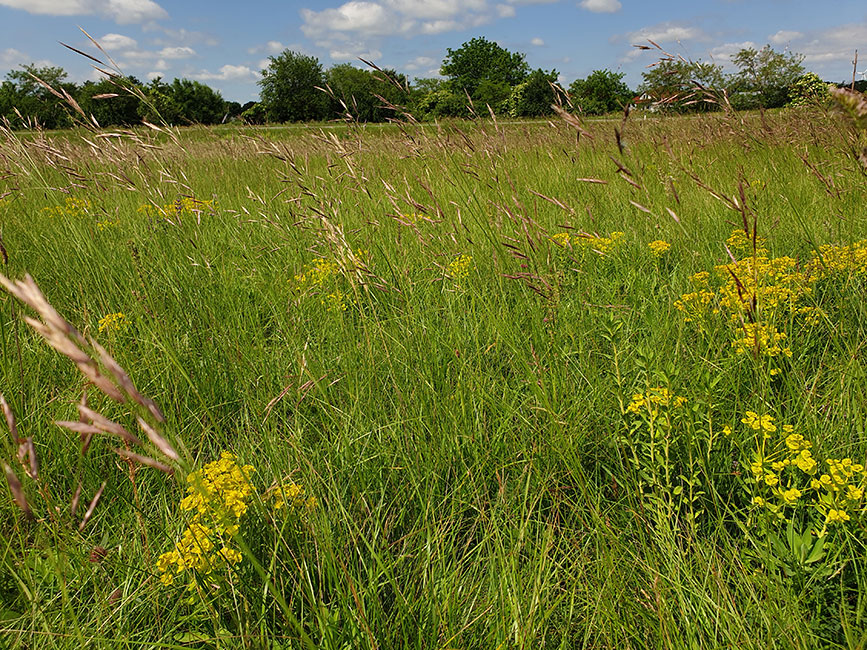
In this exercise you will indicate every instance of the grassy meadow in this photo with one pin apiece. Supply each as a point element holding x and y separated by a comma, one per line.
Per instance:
<point>466,404</point>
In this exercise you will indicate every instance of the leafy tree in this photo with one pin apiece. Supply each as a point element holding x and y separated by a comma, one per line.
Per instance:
<point>360,91</point>
<point>603,91</point>
<point>253,113</point>
<point>533,97</point>
<point>808,89</point>
<point>289,88</point>
<point>481,60</point>
<point>160,105</point>
<point>443,102</point>
<point>683,85</point>
<point>34,100</point>
<point>492,93</point>
<point>767,73</point>
<point>120,110</point>
<point>197,102</point>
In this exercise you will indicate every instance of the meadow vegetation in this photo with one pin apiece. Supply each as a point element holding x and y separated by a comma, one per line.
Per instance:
<point>451,385</point>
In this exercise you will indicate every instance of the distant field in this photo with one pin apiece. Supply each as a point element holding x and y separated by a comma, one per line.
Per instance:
<point>501,386</point>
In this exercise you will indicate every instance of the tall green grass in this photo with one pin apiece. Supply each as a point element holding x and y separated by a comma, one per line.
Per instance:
<point>466,438</point>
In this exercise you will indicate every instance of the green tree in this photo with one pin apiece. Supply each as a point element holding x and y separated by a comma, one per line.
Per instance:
<point>108,111</point>
<point>808,89</point>
<point>603,91</point>
<point>533,97</point>
<point>683,85</point>
<point>360,92</point>
<point>289,88</point>
<point>767,74</point>
<point>34,100</point>
<point>160,105</point>
<point>197,102</point>
<point>480,60</point>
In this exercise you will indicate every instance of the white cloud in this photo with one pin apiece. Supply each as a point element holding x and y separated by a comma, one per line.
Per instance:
<point>112,42</point>
<point>784,36</point>
<point>379,18</point>
<point>666,32</point>
<point>182,52</point>
<point>722,54</point>
<point>362,53</point>
<point>11,57</point>
<point>123,12</point>
<point>538,42</point>
<point>229,73</point>
<point>420,63</point>
<point>272,47</point>
<point>601,6</point>
<point>368,18</point>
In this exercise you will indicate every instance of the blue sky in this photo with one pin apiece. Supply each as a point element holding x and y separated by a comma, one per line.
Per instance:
<point>225,44</point>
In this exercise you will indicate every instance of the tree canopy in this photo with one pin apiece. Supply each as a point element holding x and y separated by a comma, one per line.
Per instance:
<point>290,88</point>
<point>767,74</point>
<point>603,91</point>
<point>479,60</point>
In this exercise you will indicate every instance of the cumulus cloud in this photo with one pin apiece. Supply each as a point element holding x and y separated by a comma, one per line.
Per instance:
<point>722,54</point>
<point>421,63</point>
<point>665,33</point>
<point>601,6</point>
<point>123,12</point>
<point>364,19</point>
<point>10,57</point>
<point>182,52</point>
<point>229,73</point>
<point>113,42</point>
<point>272,47</point>
<point>784,36</point>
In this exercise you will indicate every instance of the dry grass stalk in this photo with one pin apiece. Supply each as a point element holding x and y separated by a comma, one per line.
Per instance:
<point>17,491</point>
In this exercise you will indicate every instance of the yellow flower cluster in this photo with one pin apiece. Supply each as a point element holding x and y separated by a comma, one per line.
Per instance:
<point>654,399</point>
<point>761,339</point>
<point>72,207</point>
<point>759,291</point>
<point>659,247</point>
<point>788,475</point>
<point>117,322</point>
<point>291,494</point>
<point>218,495</point>
<point>842,259</point>
<point>459,268</point>
<point>334,301</point>
<point>319,272</point>
<point>596,243</point>
<point>184,205</point>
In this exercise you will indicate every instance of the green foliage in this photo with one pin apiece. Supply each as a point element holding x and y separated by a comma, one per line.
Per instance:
<point>443,102</point>
<point>480,60</point>
<point>683,85</point>
<point>290,88</point>
<point>196,102</point>
<point>123,109</point>
<point>357,93</point>
<point>603,91</point>
<point>33,100</point>
<point>808,89</point>
<point>160,106</point>
<point>254,113</point>
<point>533,97</point>
<point>768,73</point>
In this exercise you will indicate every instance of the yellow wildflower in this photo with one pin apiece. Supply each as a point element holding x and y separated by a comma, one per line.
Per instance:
<point>659,247</point>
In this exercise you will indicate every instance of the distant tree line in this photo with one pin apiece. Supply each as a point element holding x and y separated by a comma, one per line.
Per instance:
<point>478,78</point>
